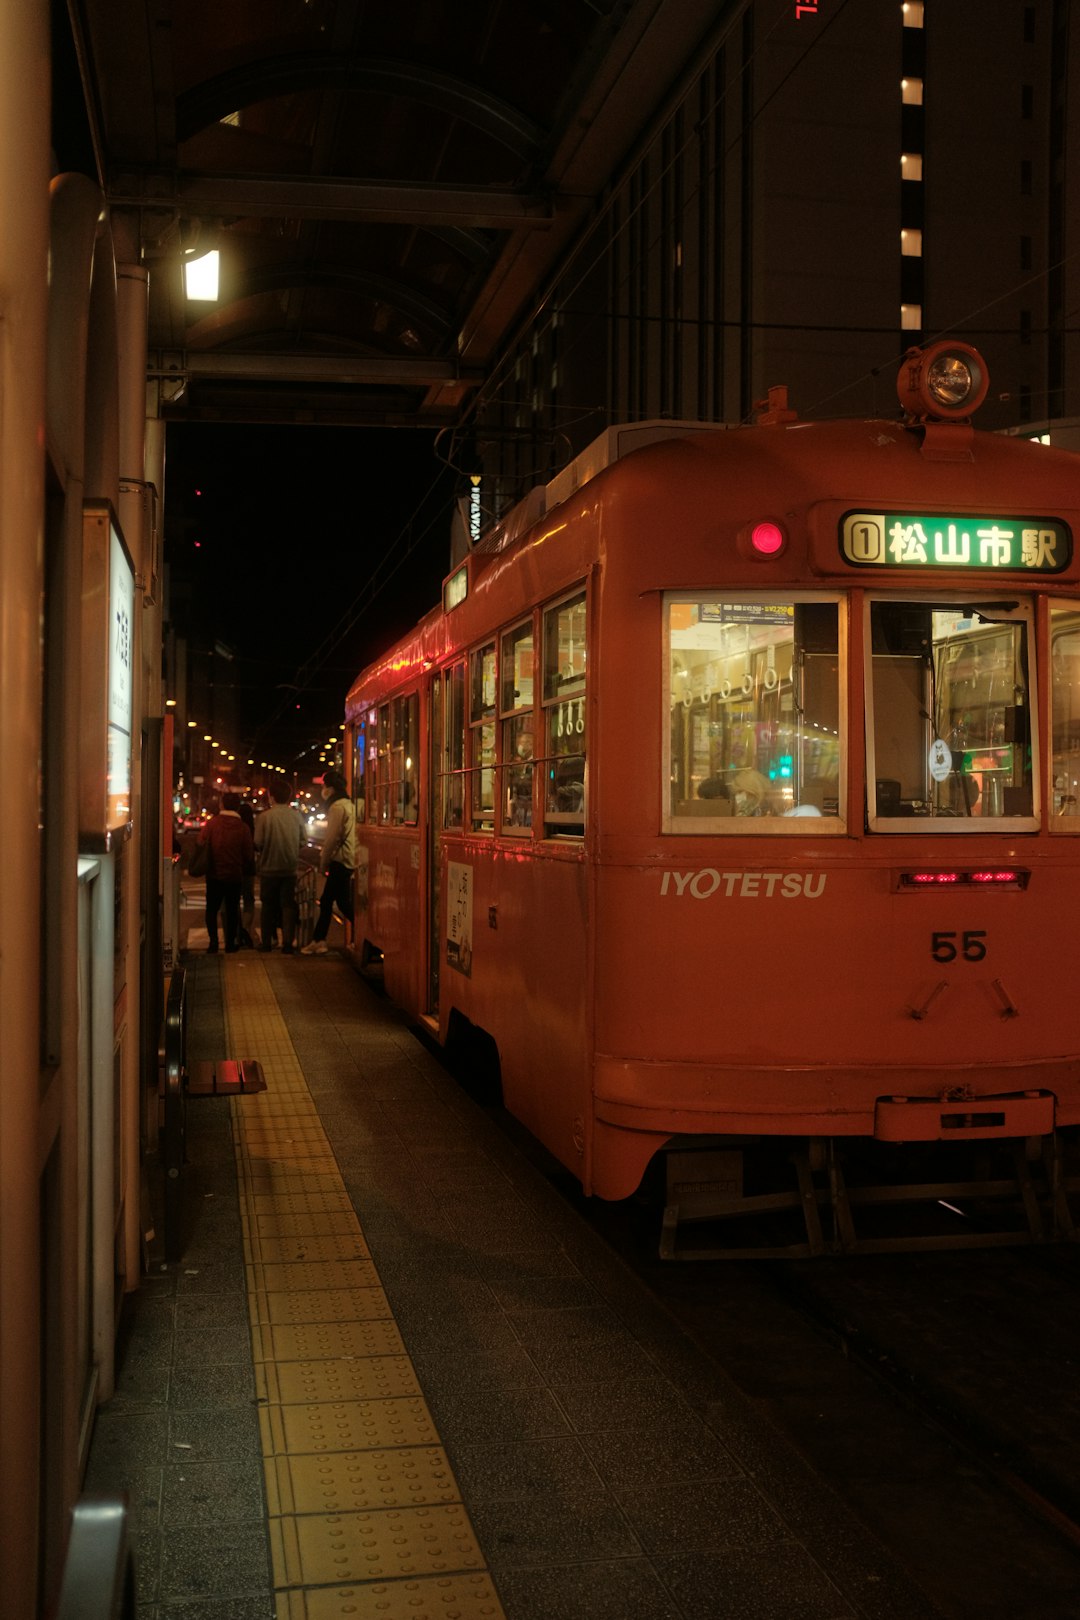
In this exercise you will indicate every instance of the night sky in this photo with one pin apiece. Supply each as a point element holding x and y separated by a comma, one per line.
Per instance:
<point>305,551</point>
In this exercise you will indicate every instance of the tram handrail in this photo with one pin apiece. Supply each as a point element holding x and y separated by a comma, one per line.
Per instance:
<point>306,903</point>
<point>99,1572</point>
<point>173,1146</point>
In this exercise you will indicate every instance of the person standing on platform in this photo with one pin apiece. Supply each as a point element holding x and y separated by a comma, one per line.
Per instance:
<point>338,859</point>
<point>230,857</point>
<point>247,890</point>
<point>279,839</point>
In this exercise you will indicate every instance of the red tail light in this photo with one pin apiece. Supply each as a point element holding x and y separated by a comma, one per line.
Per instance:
<point>997,877</point>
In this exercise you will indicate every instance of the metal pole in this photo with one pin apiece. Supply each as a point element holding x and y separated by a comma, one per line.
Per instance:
<point>24,208</point>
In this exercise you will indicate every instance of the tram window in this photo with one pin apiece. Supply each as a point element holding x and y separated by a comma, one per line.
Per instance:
<point>359,768</point>
<point>564,651</point>
<point>948,713</point>
<point>481,765</point>
<point>754,706</point>
<point>382,777</point>
<point>518,733</point>
<point>371,773</point>
<point>404,803</point>
<point>452,747</point>
<point>1065,700</point>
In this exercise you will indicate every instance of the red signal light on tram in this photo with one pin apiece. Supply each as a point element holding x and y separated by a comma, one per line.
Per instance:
<point>925,878</point>
<point>1003,876</point>
<point>763,540</point>
<point>767,538</point>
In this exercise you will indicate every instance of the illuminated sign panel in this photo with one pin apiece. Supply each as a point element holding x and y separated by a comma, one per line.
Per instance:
<point>456,589</point>
<point>944,540</point>
<point>107,696</point>
<point>121,617</point>
<point>746,613</point>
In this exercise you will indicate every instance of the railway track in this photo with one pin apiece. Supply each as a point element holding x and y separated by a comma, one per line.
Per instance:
<point>938,1394</point>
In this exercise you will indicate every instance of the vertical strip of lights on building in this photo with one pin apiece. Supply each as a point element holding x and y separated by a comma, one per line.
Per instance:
<point>912,210</point>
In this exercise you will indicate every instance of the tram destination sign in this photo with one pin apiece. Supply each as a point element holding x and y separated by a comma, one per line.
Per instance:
<point>984,544</point>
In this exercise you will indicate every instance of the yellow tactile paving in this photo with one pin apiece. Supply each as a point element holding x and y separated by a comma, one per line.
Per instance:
<point>313,1246</point>
<point>322,1426</point>
<point>286,1133</point>
<point>297,1177</point>
<point>298,1203</point>
<point>312,1273</point>
<point>349,1378</point>
<point>318,1305</point>
<point>316,1549</point>
<point>447,1597</point>
<point>326,1341</point>
<point>366,1518</point>
<point>357,1481</point>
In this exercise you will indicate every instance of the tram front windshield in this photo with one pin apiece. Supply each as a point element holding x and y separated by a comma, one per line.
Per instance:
<point>756,713</point>
<point>949,712</point>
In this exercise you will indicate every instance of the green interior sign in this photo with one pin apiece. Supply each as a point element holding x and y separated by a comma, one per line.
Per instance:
<point>946,540</point>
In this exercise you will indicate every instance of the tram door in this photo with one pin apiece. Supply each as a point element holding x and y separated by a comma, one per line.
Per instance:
<point>446,805</point>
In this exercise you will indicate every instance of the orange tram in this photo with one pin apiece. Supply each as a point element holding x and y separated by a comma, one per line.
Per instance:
<point>729,808</point>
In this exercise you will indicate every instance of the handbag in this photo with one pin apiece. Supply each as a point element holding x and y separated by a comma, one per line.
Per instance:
<point>200,860</point>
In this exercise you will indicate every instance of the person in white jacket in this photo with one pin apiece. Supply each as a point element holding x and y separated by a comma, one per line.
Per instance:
<point>338,859</point>
<point>279,840</point>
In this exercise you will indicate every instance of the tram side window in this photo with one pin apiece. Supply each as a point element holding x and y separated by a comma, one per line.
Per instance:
<point>564,718</point>
<point>518,737</point>
<point>371,774</point>
<point>404,802</point>
<point>359,764</point>
<point>949,711</point>
<point>481,766</point>
<point>383,768</point>
<point>1065,698</point>
<point>754,703</point>
<point>452,748</point>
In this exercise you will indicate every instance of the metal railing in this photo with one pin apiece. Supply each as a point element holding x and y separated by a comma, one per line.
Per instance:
<point>174,1125</point>
<point>307,904</point>
<point>99,1574</point>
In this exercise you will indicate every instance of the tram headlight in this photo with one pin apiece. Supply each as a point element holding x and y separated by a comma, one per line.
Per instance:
<point>950,380</point>
<point>945,381</point>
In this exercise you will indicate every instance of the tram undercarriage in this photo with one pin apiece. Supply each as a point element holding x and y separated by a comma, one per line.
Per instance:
<point>800,1198</point>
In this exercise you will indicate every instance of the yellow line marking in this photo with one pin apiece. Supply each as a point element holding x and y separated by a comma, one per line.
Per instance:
<point>366,1518</point>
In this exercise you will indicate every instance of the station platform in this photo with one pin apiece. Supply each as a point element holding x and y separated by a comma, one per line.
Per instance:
<point>395,1377</point>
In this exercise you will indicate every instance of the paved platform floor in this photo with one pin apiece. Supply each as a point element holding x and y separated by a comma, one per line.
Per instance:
<point>393,1377</point>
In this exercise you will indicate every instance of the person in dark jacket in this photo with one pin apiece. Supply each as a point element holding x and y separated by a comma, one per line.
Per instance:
<point>231,858</point>
<point>247,887</point>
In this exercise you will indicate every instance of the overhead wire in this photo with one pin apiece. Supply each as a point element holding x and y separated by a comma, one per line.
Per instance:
<point>488,392</point>
<point>528,325</point>
<point>373,587</point>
